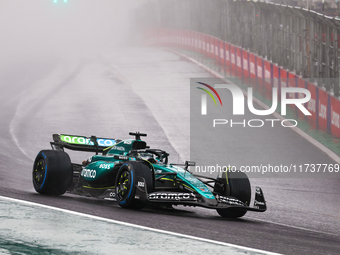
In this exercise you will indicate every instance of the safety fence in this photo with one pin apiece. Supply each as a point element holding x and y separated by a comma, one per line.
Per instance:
<point>301,41</point>
<point>250,67</point>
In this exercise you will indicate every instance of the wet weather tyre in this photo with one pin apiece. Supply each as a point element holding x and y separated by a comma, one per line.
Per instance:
<point>126,183</point>
<point>239,187</point>
<point>52,172</point>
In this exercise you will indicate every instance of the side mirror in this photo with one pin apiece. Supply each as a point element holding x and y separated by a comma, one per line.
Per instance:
<point>189,163</point>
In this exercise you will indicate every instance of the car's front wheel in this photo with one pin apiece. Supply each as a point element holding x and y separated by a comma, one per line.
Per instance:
<point>236,185</point>
<point>126,183</point>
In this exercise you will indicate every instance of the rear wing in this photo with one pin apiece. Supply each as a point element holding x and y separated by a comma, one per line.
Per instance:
<point>82,143</point>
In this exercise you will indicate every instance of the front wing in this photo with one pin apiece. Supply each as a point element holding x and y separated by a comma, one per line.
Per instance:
<point>194,199</point>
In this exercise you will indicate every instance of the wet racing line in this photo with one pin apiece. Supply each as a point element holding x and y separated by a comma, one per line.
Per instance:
<point>270,232</point>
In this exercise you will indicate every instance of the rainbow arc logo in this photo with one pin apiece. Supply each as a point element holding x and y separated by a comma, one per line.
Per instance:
<point>209,93</point>
<point>204,97</point>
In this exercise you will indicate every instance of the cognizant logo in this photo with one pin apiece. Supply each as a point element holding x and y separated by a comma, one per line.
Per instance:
<point>238,103</point>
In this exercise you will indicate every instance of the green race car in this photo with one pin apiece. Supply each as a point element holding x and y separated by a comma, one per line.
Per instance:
<point>135,175</point>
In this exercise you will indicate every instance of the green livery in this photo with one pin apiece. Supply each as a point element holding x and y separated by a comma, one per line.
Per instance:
<point>133,175</point>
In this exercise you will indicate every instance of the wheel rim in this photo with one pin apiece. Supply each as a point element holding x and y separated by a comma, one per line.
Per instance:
<point>123,185</point>
<point>39,173</point>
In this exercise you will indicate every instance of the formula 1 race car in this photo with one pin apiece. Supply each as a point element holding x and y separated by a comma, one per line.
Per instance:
<point>134,175</point>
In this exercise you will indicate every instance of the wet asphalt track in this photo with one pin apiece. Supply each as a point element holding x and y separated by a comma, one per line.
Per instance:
<point>112,95</point>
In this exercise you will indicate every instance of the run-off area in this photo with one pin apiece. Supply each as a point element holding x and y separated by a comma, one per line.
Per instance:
<point>57,231</point>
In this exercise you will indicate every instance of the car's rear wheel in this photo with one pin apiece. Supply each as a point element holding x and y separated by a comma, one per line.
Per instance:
<point>239,187</point>
<point>126,182</point>
<point>52,172</point>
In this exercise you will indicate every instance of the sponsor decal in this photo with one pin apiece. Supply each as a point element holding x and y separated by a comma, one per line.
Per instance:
<point>123,157</point>
<point>232,58</point>
<point>227,55</point>
<point>311,105</point>
<point>221,53</point>
<point>231,201</point>
<point>266,74</point>
<point>259,71</point>
<point>323,111</point>
<point>172,196</point>
<point>76,140</point>
<point>89,173</point>
<point>105,142</point>
<point>252,68</point>
<point>335,119</point>
<point>105,166</point>
<point>257,203</point>
<point>141,184</point>
<point>238,61</point>
<point>118,148</point>
<point>245,64</point>
<point>86,141</point>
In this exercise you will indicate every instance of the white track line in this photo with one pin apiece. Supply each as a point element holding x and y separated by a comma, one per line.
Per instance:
<point>316,143</point>
<point>291,226</point>
<point>136,226</point>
